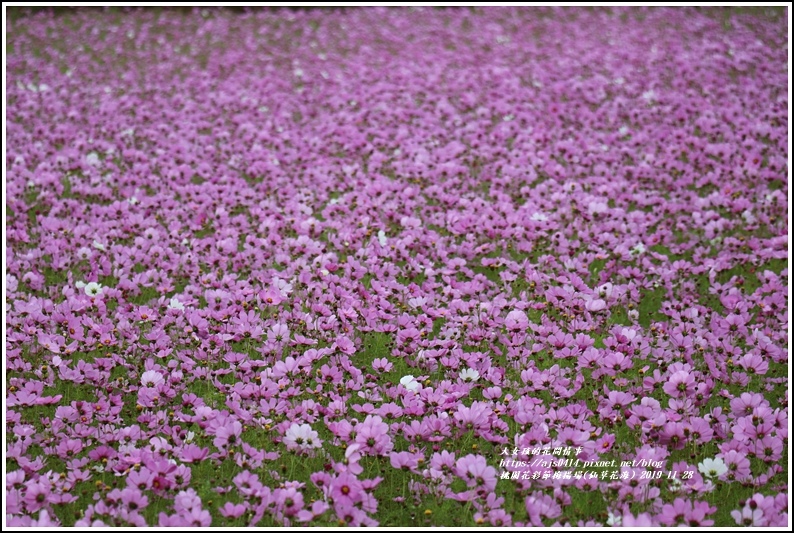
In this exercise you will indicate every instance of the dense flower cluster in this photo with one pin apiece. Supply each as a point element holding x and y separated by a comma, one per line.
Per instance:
<point>281,267</point>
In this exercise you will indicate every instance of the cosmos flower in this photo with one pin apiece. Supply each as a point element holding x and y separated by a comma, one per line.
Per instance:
<point>275,238</point>
<point>476,472</point>
<point>346,489</point>
<point>152,378</point>
<point>516,320</point>
<point>712,468</point>
<point>410,383</point>
<point>93,289</point>
<point>232,510</point>
<point>680,384</point>
<point>302,437</point>
<point>228,435</point>
<point>749,517</point>
<point>373,436</point>
<point>469,375</point>
<point>595,305</point>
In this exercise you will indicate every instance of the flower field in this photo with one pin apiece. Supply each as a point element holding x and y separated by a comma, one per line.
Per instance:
<point>397,267</point>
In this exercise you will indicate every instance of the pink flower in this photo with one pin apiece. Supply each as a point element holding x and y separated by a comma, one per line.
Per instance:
<point>516,320</point>
<point>232,510</point>
<point>318,508</point>
<point>681,384</point>
<point>228,435</point>
<point>37,495</point>
<point>193,454</point>
<point>753,364</point>
<point>541,506</point>
<point>476,472</point>
<point>738,465</point>
<point>134,499</point>
<point>403,460</point>
<point>595,305</point>
<point>749,517</point>
<point>373,436</point>
<point>641,520</point>
<point>346,489</point>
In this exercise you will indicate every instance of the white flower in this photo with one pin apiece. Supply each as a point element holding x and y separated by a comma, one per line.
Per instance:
<point>605,290</point>
<point>409,382</point>
<point>176,304</point>
<point>98,245</point>
<point>539,216</point>
<point>92,159</point>
<point>93,289</point>
<point>640,248</point>
<point>712,468</point>
<point>596,305</point>
<point>382,237</point>
<point>80,284</point>
<point>469,374</point>
<point>152,378</point>
<point>614,520</point>
<point>301,437</point>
